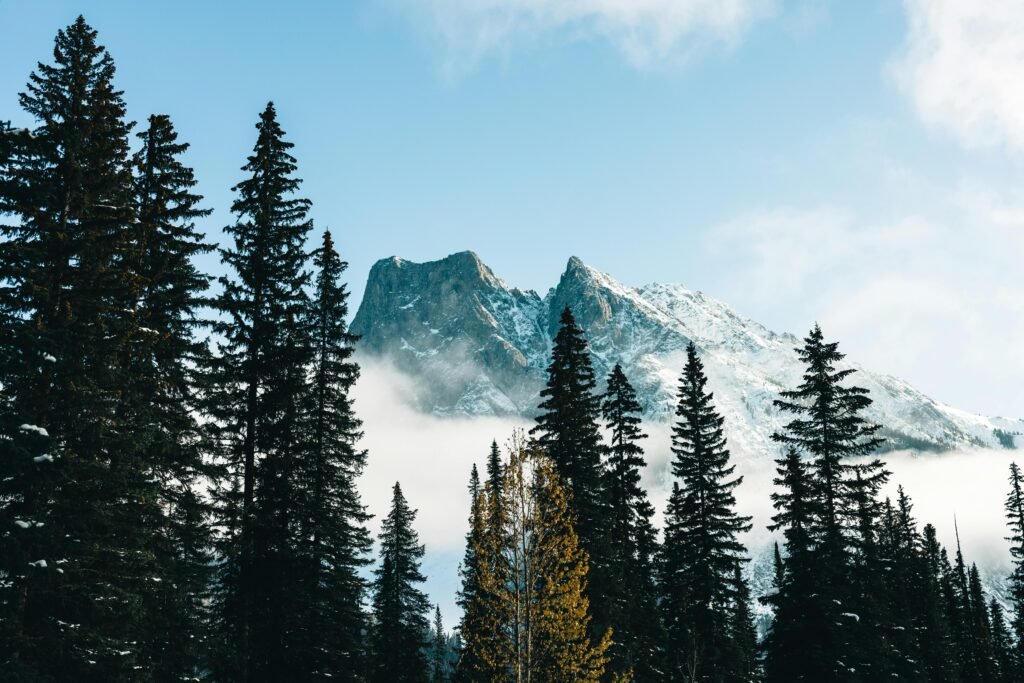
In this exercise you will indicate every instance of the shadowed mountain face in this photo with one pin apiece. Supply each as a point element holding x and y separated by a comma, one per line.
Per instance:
<point>475,346</point>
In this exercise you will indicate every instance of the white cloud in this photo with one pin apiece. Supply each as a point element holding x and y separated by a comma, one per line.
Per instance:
<point>645,31</point>
<point>963,65</point>
<point>937,300</point>
<point>431,457</point>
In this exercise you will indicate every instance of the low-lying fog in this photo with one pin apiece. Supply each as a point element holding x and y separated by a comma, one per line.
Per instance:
<point>431,457</point>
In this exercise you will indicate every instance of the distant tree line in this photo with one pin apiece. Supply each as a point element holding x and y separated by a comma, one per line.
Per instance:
<point>179,460</point>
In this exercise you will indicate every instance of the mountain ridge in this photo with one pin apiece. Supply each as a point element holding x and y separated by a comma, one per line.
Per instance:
<point>478,346</point>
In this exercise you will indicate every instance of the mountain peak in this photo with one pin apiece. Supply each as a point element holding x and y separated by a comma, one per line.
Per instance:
<point>475,346</point>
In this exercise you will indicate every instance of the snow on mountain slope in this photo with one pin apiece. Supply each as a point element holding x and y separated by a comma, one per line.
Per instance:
<point>476,346</point>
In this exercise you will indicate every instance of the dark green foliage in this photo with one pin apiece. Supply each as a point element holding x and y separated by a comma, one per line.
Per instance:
<point>632,544</point>
<point>169,292</point>
<point>333,543</point>
<point>399,607</point>
<point>77,504</point>
<point>257,393</point>
<point>1015,520</point>
<point>829,524</point>
<point>935,602</point>
<point>701,551</point>
<point>568,431</point>
<point>440,671</point>
<point>567,427</point>
<point>494,470</point>
<point>1002,650</point>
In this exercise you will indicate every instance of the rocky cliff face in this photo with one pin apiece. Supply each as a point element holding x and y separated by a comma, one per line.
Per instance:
<point>476,346</point>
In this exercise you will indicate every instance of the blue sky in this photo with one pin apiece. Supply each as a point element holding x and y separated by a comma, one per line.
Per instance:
<point>853,163</point>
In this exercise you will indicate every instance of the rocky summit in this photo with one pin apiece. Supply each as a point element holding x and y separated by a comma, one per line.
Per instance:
<point>476,346</point>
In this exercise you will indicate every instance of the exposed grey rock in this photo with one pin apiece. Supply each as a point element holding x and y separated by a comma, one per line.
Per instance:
<point>476,346</point>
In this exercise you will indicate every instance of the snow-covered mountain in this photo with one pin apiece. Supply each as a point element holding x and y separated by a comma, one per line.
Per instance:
<point>477,346</point>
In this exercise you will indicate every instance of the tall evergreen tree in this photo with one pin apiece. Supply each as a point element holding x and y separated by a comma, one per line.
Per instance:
<point>399,607</point>
<point>829,427</point>
<point>872,644</point>
<point>438,650</point>
<point>701,550</point>
<point>484,656</point>
<point>632,593</point>
<point>468,575</point>
<point>791,646</point>
<point>940,656</point>
<point>75,486</point>
<point>494,473</point>
<point>257,394</point>
<point>1001,647</point>
<point>567,427</point>
<point>334,545</point>
<point>170,291</point>
<point>743,632</point>
<point>1015,520</point>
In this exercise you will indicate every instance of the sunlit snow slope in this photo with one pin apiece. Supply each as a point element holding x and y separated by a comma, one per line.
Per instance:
<point>476,346</point>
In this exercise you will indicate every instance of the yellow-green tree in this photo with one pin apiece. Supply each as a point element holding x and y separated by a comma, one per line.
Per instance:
<point>531,612</point>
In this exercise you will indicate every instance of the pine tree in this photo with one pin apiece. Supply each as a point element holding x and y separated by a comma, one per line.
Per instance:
<point>778,568</point>
<point>468,576</point>
<point>793,650</point>
<point>963,617</point>
<point>632,545</point>
<point>399,607</point>
<point>743,632</point>
<point>75,486</point>
<point>981,627</point>
<point>828,427</point>
<point>438,650</point>
<point>1015,520</point>
<point>1001,646</point>
<point>902,593</point>
<point>567,430</point>
<point>933,617</point>
<point>871,653</point>
<point>701,550</point>
<point>258,391</point>
<point>170,291</point>
<point>328,614</point>
<point>482,656</point>
<point>494,470</point>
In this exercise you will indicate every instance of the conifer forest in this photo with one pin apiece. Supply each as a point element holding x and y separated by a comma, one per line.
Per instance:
<point>181,456</point>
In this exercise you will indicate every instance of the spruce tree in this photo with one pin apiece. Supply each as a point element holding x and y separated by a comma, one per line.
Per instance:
<point>468,576</point>
<point>399,606</point>
<point>632,593</point>
<point>829,427</point>
<point>902,592</point>
<point>257,396</point>
<point>334,545</point>
<point>933,617</point>
<point>567,430</point>
<point>793,650</point>
<point>75,488</point>
<point>872,652</point>
<point>981,627</point>
<point>170,291</point>
<point>1001,645</point>
<point>1015,520</point>
<point>701,549</point>
<point>482,656</point>
<point>743,632</point>
<point>438,650</point>
<point>494,470</point>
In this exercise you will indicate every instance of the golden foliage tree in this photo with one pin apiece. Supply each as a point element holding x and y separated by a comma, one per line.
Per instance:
<point>530,615</point>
